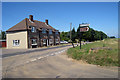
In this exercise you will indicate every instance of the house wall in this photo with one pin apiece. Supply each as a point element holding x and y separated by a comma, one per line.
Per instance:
<point>33,35</point>
<point>46,36</point>
<point>22,36</point>
<point>3,43</point>
<point>43,36</point>
<point>56,36</point>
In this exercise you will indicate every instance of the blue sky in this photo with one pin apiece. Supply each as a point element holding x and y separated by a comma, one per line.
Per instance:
<point>102,16</point>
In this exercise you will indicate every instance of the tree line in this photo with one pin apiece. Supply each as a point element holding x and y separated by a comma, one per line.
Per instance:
<point>91,35</point>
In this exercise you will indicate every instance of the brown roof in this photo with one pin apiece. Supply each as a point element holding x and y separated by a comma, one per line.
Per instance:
<point>26,23</point>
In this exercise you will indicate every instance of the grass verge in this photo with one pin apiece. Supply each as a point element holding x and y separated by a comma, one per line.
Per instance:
<point>102,57</point>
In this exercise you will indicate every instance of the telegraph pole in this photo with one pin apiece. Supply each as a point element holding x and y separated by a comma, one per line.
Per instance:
<point>70,31</point>
<point>71,34</point>
<point>80,36</point>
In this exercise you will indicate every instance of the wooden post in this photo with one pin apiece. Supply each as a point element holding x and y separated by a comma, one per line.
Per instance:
<point>80,40</point>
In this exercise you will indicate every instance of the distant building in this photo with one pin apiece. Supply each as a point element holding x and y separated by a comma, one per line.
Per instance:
<point>2,43</point>
<point>30,33</point>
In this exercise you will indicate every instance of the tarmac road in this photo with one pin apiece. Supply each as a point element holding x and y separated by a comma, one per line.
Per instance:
<point>13,52</point>
<point>51,63</point>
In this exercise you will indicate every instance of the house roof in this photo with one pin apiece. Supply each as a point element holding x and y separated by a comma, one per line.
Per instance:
<point>24,25</point>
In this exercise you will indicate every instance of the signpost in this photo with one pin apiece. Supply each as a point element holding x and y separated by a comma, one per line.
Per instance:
<point>83,28</point>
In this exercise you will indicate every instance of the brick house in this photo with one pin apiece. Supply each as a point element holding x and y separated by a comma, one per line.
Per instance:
<point>30,33</point>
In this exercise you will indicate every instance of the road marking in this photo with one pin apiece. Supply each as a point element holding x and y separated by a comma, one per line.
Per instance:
<point>39,58</point>
<point>32,60</point>
<point>27,61</point>
<point>52,54</point>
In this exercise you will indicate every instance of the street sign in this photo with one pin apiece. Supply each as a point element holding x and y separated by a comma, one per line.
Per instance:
<point>84,29</point>
<point>83,25</point>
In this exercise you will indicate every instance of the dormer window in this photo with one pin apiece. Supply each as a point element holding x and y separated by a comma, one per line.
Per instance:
<point>43,30</point>
<point>56,32</point>
<point>33,29</point>
<point>50,31</point>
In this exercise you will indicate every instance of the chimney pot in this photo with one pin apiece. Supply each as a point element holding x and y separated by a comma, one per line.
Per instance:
<point>31,17</point>
<point>46,21</point>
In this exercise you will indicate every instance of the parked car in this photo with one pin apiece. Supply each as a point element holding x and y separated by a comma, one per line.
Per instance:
<point>63,42</point>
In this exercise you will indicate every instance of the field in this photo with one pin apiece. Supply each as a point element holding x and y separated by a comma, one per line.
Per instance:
<point>103,53</point>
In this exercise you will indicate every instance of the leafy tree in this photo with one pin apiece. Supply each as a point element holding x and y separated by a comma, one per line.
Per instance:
<point>78,32</point>
<point>64,36</point>
<point>73,34</point>
<point>91,35</point>
<point>2,35</point>
<point>112,36</point>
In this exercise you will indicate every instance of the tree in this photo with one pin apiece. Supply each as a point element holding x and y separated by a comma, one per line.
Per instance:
<point>78,32</point>
<point>0,34</point>
<point>64,36</point>
<point>73,34</point>
<point>91,35</point>
<point>3,35</point>
<point>112,36</point>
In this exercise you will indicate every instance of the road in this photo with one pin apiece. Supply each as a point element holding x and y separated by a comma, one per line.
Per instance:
<point>49,63</point>
<point>13,52</point>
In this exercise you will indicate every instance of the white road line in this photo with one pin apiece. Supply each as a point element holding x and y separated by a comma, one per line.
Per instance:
<point>33,60</point>
<point>27,61</point>
<point>45,56</point>
<point>52,54</point>
<point>59,52</point>
<point>39,57</point>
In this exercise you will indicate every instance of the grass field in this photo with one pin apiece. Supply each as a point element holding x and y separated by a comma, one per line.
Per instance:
<point>102,57</point>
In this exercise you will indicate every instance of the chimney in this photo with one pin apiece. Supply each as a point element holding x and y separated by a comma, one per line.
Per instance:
<point>31,17</point>
<point>46,21</point>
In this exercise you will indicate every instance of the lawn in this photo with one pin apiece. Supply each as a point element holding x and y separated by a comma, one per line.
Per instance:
<point>102,57</point>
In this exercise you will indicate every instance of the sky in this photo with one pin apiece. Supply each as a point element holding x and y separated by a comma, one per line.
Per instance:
<point>102,16</point>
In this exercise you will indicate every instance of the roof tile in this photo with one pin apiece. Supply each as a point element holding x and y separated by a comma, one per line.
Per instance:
<point>26,23</point>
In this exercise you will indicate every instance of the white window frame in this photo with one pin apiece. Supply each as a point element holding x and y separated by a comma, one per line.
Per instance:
<point>50,41</point>
<point>44,31</point>
<point>16,42</point>
<point>35,42</point>
<point>56,32</point>
<point>50,32</point>
<point>44,41</point>
<point>57,40</point>
<point>33,29</point>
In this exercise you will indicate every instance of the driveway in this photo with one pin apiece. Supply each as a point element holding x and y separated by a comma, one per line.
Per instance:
<point>51,63</point>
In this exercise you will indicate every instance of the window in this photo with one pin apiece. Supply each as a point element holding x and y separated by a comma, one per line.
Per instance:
<point>56,32</point>
<point>57,41</point>
<point>33,29</point>
<point>16,42</point>
<point>50,31</point>
<point>50,41</point>
<point>34,41</point>
<point>43,30</point>
<point>44,41</point>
